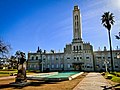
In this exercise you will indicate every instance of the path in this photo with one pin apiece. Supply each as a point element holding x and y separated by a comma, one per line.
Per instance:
<point>93,81</point>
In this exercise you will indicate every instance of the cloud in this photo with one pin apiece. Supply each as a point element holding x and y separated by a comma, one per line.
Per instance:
<point>115,4</point>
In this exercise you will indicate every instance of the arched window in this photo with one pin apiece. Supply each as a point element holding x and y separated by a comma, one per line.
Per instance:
<point>77,24</point>
<point>36,57</point>
<point>32,58</point>
<point>79,47</point>
<point>75,17</point>
<point>74,48</point>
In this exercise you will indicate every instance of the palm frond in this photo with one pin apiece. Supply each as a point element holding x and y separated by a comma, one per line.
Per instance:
<point>107,20</point>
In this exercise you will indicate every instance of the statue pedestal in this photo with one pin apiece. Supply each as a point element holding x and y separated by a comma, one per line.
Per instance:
<point>21,79</point>
<point>20,84</point>
<point>21,75</point>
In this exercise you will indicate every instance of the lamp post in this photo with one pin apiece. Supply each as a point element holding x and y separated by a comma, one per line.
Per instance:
<point>106,62</point>
<point>42,65</point>
<point>40,60</point>
<point>118,55</point>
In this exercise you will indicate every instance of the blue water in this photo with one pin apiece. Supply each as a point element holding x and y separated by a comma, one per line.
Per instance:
<point>56,75</point>
<point>63,75</point>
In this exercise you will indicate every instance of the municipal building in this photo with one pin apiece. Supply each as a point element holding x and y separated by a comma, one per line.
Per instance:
<point>77,55</point>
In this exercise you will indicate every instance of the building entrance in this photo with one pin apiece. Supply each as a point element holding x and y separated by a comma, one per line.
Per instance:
<point>77,66</point>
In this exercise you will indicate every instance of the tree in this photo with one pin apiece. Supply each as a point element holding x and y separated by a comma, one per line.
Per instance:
<point>4,49</point>
<point>13,62</point>
<point>108,21</point>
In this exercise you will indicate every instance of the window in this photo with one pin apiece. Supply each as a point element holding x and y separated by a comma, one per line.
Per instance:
<point>80,57</point>
<point>77,58</point>
<point>34,66</point>
<point>74,48</point>
<point>79,47</point>
<point>74,57</point>
<point>57,66</point>
<point>88,66</point>
<point>57,58</point>
<point>68,65</point>
<point>32,58</point>
<point>52,66</point>
<point>61,57</point>
<point>36,57</point>
<point>75,24</point>
<point>87,57</point>
<point>99,57</point>
<point>30,66</point>
<point>61,65</point>
<point>48,57</point>
<point>75,17</point>
<point>52,57</point>
<point>116,66</point>
<point>68,57</point>
<point>48,66</point>
<point>103,66</point>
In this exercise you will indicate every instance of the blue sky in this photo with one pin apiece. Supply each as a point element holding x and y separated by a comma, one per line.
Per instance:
<point>27,24</point>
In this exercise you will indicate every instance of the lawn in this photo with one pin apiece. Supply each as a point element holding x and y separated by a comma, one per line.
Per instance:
<point>115,79</point>
<point>114,75</point>
<point>4,73</point>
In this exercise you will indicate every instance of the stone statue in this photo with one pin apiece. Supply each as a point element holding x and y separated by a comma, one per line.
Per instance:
<point>21,75</point>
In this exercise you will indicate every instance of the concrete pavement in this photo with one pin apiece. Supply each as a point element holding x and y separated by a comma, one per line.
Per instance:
<point>94,81</point>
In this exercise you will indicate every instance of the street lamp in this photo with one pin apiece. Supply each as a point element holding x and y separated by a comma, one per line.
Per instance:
<point>106,62</point>
<point>118,55</point>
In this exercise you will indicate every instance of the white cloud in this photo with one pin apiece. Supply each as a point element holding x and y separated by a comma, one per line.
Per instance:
<point>114,4</point>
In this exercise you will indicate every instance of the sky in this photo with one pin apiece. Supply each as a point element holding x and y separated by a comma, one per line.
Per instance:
<point>27,24</point>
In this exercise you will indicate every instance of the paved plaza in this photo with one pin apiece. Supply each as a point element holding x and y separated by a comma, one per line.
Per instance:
<point>93,81</point>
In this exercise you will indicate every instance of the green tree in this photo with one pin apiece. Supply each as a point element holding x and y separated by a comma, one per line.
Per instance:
<point>13,62</point>
<point>108,21</point>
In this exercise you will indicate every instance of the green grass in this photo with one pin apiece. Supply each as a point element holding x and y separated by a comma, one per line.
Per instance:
<point>4,73</point>
<point>115,78</point>
<point>8,72</point>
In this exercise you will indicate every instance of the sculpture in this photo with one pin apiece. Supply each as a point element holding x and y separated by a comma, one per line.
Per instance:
<point>21,75</point>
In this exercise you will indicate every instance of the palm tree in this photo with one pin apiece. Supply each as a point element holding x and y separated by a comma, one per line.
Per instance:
<point>108,21</point>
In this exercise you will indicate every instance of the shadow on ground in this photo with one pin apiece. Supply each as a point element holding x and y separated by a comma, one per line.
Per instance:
<point>34,83</point>
<point>115,87</point>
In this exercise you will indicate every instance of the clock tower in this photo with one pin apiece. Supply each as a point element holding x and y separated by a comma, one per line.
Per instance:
<point>77,31</point>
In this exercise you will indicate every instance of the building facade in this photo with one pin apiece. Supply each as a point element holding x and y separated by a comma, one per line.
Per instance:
<point>76,56</point>
<point>103,60</point>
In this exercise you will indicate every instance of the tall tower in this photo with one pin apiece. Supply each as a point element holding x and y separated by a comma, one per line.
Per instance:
<point>77,31</point>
